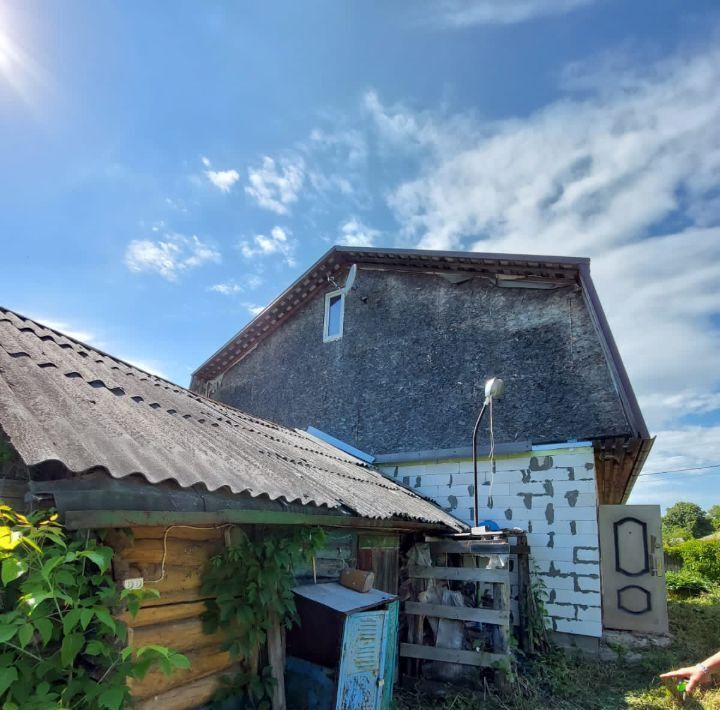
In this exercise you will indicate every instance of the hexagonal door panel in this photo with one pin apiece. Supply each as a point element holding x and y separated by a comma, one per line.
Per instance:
<point>634,599</point>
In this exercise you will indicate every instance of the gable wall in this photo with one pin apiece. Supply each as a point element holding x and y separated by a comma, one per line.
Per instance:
<point>551,494</point>
<point>409,372</point>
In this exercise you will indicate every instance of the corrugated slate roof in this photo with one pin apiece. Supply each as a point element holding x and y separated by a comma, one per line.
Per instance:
<point>63,400</point>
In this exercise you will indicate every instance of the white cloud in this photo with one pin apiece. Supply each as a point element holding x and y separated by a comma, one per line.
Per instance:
<point>279,241</point>
<point>348,144</point>
<point>229,288</point>
<point>683,448</point>
<point>222,179</point>
<point>170,256</point>
<point>254,309</point>
<point>72,331</point>
<point>276,185</point>
<point>465,13</point>
<point>354,233</point>
<point>232,288</point>
<point>594,174</point>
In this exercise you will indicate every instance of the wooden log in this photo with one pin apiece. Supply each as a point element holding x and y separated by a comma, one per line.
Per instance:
<point>462,574</point>
<point>357,579</point>
<point>452,655</point>
<point>184,635</point>
<point>459,613</point>
<point>147,616</point>
<point>157,532</point>
<point>186,697</point>
<point>178,584</point>
<point>202,663</point>
<point>177,552</point>
<point>276,660</point>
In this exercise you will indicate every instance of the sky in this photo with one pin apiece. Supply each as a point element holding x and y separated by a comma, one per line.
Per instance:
<point>168,168</point>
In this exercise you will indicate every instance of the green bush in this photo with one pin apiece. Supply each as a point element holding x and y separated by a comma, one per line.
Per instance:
<point>686,583</point>
<point>701,557</point>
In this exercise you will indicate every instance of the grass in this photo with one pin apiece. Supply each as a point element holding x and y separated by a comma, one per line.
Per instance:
<point>562,683</point>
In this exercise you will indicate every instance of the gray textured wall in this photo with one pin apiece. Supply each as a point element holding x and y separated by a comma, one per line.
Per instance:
<point>408,373</point>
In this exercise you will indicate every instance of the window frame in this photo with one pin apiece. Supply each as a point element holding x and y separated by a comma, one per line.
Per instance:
<point>327,338</point>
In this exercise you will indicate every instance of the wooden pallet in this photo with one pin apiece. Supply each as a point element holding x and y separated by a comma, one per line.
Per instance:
<point>461,559</point>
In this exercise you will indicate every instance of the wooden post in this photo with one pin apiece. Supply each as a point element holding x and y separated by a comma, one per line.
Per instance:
<point>501,633</point>
<point>276,658</point>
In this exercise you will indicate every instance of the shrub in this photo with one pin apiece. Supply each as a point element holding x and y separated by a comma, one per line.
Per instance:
<point>701,557</point>
<point>686,583</point>
<point>60,645</point>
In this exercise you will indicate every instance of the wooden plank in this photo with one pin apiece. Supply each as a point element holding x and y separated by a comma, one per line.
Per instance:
<point>147,616</point>
<point>459,613</point>
<point>202,663</point>
<point>185,697</point>
<point>462,574</point>
<point>184,635</point>
<point>480,659</point>
<point>474,547</point>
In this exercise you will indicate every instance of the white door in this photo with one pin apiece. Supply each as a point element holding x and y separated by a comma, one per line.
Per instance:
<point>631,561</point>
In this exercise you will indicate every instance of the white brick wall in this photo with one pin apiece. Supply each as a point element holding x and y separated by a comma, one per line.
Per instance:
<point>561,522</point>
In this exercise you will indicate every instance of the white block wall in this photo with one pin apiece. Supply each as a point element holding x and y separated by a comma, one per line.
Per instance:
<point>551,494</point>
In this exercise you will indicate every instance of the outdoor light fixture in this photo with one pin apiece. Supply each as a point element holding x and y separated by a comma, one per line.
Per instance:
<point>494,389</point>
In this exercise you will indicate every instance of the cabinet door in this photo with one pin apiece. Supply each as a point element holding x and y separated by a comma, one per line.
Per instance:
<point>358,680</point>
<point>633,578</point>
<point>388,661</point>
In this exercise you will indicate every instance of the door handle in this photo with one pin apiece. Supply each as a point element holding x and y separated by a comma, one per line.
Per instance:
<point>381,682</point>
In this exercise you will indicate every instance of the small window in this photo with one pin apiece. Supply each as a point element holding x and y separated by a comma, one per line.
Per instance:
<point>334,307</point>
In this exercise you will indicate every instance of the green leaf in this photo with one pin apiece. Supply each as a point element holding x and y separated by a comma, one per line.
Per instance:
<point>12,568</point>
<point>25,634</point>
<point>101,556</point>
<point>95,648</point>
<point>45,629</point>
<point>86,616</point>
<point>7,631</point>
<point>103,616</point>
<point>70,648</point>
<point>65,577</point>
<point>71,621</point>
<point>179,661</point>
<point>112,698</point>
<point>7,677</point>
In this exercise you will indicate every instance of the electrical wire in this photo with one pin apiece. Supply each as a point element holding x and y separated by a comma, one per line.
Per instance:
<point>165,536</point>
<point>492,455</point>
<point>681,470</point>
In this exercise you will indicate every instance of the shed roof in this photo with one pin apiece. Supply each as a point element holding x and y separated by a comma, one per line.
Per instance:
<point>62,400</point>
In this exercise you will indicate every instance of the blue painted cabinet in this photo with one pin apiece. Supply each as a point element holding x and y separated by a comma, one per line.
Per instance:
<point>366,652</point>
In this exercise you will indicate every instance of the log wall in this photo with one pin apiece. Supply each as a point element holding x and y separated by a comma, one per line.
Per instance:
<point>173,620</point>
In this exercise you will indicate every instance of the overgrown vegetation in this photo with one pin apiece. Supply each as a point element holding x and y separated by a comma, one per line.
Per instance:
<point>60,645</point>
<point>688,521</point>
<point>556,681</point>
<point>251,584</point>
<point>686,583</point>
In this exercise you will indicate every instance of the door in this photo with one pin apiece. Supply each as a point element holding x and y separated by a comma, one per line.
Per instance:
<point>633,578</point>
<point>360,680</point>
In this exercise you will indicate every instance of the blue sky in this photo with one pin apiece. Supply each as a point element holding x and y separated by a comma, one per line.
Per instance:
<point>167,168</point>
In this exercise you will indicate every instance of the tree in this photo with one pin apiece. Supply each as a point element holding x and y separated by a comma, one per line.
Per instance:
<point>714,515</point>
<point>689,517</point>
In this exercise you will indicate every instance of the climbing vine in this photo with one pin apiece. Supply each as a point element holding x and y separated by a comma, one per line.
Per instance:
<point>60,644</point>
<point>251,584</point>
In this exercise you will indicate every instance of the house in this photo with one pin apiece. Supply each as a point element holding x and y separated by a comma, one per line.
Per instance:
<point>113,448</point>
<point>388,351</point>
